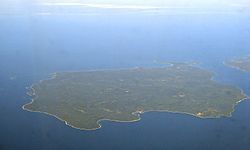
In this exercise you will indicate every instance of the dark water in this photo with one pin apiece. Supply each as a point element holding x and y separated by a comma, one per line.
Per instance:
<point>31,47</point>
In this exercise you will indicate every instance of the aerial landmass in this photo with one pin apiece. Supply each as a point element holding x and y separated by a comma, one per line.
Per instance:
<point>83,99</point>
<point>242,64</point>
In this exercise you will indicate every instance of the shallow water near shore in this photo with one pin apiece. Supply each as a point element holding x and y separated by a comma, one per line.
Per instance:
<point>33,47</point>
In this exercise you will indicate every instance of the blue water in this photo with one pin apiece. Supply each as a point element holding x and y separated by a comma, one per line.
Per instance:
<point>31,47</point>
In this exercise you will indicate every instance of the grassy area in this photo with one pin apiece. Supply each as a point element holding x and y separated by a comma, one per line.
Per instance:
<point>83,98</point>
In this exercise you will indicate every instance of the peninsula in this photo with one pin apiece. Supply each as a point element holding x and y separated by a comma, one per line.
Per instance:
<point>83,99</point>
<point>242,64</point>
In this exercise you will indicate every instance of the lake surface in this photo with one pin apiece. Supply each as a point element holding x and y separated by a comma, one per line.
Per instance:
<point>32,47</point>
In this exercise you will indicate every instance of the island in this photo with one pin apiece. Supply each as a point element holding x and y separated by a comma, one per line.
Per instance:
<point>242,63</point>
<point>83,99</point>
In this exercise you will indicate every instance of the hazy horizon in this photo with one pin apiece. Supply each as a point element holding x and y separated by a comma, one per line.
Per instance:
<point>22,7</point>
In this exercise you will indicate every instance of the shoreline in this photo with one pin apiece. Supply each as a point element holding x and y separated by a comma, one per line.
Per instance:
<point>136,113</point>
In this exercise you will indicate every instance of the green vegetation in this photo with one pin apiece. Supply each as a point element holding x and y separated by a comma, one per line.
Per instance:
<point>83,98</point>
<point>242,64</point>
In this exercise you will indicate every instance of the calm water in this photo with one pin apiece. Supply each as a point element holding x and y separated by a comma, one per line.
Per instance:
<point>31,47</point>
